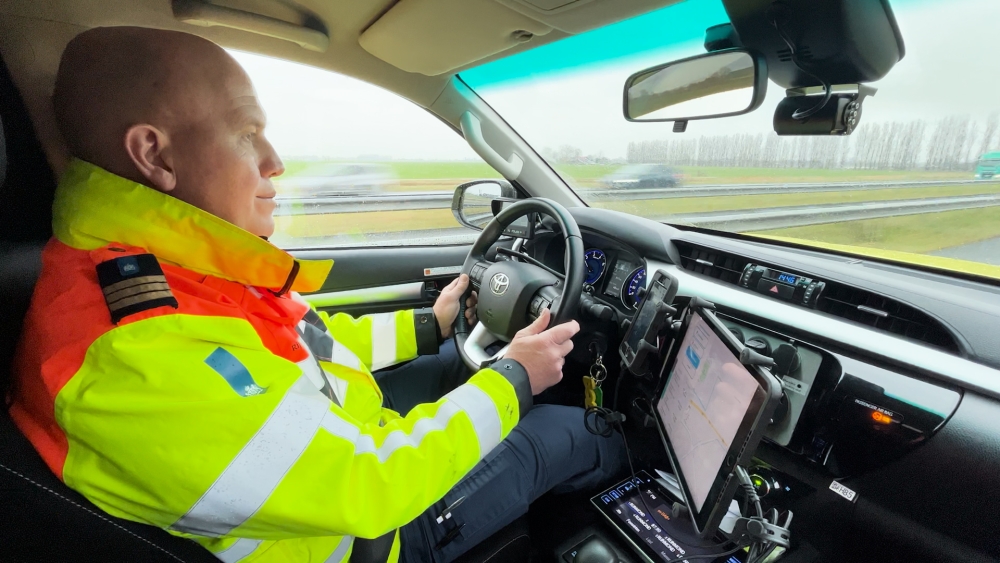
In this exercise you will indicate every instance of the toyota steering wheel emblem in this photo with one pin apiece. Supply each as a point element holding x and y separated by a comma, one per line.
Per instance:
<point>499,283</point>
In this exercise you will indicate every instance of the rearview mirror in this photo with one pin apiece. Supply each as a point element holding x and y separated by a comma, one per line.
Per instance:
<point>717,84</point>
<point>472,203</point>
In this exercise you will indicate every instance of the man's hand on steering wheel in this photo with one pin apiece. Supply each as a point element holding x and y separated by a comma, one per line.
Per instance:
<point>542,353</point>
<point>446,306</point>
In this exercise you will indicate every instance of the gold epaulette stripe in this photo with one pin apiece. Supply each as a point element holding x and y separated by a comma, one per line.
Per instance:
<point>133,282</point>
<point>142,297</point>
<point>136,289</point>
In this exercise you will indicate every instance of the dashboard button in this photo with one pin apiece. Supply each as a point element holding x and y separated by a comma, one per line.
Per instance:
<point>774,289</point>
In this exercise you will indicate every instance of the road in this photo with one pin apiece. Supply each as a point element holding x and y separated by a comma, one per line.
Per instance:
<point>985,251</point>
<point>400,201</point>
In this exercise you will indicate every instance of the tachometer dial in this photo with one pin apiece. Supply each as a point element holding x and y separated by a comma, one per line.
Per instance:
<point>596,263</point>
<point>630,291</point>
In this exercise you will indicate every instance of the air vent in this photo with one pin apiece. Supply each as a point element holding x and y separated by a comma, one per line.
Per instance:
<point>712,263</point>
<point>839,300</point>
<point>884,314</point>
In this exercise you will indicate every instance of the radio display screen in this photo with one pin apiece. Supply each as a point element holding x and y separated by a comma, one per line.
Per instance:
<point>788,278</point>
<point>648,524</point>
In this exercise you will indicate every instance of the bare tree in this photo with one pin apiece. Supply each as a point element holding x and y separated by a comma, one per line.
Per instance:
<point>989,131</point>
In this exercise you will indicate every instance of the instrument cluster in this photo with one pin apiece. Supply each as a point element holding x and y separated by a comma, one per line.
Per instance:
<point>615,275</point>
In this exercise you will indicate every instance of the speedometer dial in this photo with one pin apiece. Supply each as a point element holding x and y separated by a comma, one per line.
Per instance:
<point>630,291</point>
<point>596,263</point>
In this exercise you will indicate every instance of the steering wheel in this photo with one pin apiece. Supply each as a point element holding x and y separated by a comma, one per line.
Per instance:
<point>512,294</point>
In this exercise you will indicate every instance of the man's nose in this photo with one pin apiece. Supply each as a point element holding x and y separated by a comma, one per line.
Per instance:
<point>271,164</point>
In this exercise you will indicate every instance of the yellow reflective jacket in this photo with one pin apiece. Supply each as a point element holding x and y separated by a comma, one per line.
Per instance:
<point>168,374</point>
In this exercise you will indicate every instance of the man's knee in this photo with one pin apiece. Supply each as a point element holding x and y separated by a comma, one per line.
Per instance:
<point>553,439</point>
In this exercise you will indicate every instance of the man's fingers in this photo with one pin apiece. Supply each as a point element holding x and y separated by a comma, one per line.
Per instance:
<point>456,287</point>
<point>563,332</point>
<point>566,347</point>
<point>472,300</point>
<point>536,327</point>
<point>459,284</point>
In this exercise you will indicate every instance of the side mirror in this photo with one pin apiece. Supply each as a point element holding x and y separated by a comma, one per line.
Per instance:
<point>717,84</point>
<point>472,204</point>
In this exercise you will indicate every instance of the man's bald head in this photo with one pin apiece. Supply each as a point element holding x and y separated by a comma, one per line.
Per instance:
<point>172,111</point>
<point>111,78</point>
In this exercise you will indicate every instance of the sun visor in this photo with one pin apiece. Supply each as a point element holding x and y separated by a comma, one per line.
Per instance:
<point>433,37</point>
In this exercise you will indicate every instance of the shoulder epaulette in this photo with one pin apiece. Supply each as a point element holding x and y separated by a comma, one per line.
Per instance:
<point>133,284</point>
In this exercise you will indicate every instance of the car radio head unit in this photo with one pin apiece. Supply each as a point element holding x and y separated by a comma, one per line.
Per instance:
<point>712,411</point>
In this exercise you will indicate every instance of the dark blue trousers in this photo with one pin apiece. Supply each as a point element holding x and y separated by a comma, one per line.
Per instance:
<point>548,450</point>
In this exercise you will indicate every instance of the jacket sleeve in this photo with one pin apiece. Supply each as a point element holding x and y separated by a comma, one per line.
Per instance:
<point>383,339</point>
<point>190,424</point>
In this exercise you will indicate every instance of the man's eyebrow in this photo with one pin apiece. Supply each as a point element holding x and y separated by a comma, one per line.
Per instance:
<point>248,113</point>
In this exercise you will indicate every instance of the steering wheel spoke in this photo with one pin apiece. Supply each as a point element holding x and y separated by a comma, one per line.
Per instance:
<point>478,341</point>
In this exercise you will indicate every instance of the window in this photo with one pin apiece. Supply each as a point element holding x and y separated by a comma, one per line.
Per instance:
<point>363,167</point>
<point>917,181</point>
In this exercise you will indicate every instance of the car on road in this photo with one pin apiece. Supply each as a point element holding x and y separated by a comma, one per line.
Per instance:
<point>336,179</point>
<point>642,176</point>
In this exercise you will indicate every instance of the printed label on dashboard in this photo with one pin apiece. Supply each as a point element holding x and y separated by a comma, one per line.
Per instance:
<point>793,385</point>
<point>843,491</point>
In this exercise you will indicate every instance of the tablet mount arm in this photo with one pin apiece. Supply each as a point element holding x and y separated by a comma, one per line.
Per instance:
<point>762,533</point>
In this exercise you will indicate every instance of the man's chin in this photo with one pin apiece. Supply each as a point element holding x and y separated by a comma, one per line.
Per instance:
<point>263,228</point>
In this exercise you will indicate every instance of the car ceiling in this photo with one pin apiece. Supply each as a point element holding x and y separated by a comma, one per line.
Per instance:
<point>373,41</point>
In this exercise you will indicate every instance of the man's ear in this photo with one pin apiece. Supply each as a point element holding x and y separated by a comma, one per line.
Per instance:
<point>149,149</point>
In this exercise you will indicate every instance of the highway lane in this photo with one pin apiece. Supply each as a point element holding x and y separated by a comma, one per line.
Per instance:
<point>985,251</point>
<point>400,201</point>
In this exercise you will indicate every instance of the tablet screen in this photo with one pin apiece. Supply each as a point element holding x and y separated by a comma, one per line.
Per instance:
<point>702,406</point>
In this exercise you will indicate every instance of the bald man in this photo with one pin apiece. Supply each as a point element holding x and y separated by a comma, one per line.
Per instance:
<point>170,372</point>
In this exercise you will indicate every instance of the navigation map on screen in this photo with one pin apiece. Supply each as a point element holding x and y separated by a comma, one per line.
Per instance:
<point>702,406</point>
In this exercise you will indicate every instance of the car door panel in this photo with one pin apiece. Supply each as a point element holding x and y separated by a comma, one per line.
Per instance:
<point>372,280</point>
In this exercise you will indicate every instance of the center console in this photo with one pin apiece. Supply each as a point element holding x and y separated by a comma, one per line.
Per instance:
<point>838,416</point>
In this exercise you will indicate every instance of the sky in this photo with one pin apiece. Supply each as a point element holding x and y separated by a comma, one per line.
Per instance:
<point>952,66</point>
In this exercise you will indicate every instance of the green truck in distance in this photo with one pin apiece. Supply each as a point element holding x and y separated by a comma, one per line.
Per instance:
<point>988,166</point>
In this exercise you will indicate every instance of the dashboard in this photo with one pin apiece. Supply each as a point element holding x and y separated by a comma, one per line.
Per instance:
<point>615,272</point>
<point>893,377</point>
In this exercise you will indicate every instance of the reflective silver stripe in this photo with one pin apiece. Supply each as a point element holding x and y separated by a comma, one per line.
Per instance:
<point>398,439</point>
<point>483,412</point>
<point>338,554</point>
<point>311,370</point>
<point>240,549</point>
<point>383,340</point>
<point>344,356</point>
<point>262,463</point>
<point>468,398</point>
<point>339,387</point>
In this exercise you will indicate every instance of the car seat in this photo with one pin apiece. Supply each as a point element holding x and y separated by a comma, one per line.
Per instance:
<point>41,519</point>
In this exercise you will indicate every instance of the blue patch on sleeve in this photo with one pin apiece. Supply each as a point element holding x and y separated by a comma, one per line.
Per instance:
<point>235,373</point>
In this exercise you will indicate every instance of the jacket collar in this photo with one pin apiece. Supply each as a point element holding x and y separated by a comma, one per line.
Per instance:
<point>94,207</point>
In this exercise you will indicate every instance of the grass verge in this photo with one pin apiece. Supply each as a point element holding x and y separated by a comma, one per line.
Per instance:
<point>922,233</point>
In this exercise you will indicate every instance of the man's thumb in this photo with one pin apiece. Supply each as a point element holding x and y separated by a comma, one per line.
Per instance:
<point>457,285</point>
<point>540,324</point>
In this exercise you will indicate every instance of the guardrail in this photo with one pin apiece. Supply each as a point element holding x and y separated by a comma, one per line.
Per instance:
<point>736,220</point>
<point>784,217</point>
<point>403,201</point>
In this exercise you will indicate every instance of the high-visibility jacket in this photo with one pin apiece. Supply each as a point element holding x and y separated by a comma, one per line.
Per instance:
<point>167,373</point>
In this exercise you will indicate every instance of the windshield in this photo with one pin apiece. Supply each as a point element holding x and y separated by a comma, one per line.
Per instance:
<point>906,181</point>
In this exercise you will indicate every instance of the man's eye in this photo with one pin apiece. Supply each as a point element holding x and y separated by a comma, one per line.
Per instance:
<point>250,136</point>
